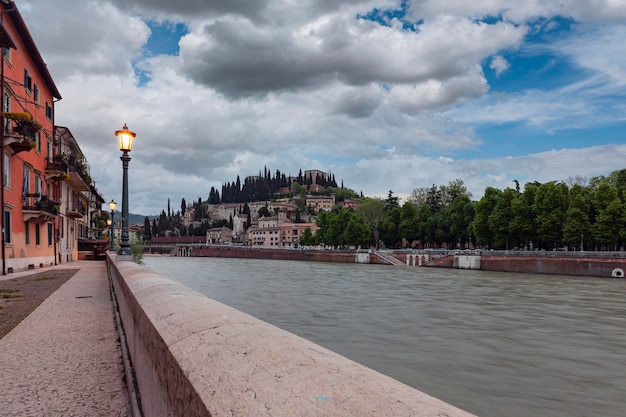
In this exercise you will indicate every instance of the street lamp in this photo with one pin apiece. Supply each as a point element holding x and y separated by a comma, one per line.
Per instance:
<point>110,224</point>
<point>125,142</point>
<point>112,207</point>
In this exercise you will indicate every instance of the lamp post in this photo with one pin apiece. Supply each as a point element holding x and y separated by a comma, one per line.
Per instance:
<point>125,142</point>
<point>112,207</point>
<point>110,224</point>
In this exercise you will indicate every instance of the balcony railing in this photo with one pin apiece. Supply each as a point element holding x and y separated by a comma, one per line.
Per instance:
<point>76,209</point>
<point>40,208</point>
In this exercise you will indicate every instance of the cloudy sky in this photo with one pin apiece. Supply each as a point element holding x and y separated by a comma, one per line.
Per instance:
<point>386,94</point>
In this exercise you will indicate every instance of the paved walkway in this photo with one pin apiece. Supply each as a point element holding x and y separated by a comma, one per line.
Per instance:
<point>63,359</point>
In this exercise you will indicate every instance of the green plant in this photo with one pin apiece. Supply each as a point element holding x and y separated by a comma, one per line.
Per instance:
<point>44,278</point>
<point>137,250</point>
<point>9,293</point>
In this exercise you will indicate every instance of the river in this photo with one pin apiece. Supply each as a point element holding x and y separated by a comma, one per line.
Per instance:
<point>494,344</point>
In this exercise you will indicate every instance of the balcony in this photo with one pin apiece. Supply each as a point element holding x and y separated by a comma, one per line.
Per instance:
<point>76,181</point>
<point>56,170</point>
<point>70,169</point>
<point>19,135</point>
<point>76,210</point>
<point>39,209</point>
<point>16,144</point>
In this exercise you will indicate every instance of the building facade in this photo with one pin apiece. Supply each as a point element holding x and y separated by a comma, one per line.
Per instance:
<point>47,205</point>
<point>79,201</point>
<point>319,203</point>
<point>276,232</point>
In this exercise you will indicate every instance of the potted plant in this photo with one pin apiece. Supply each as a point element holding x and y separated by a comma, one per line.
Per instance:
<point>17,116</point>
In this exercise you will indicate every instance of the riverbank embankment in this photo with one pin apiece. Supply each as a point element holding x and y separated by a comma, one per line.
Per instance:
<point>194,356</point>
<point>595,264</point>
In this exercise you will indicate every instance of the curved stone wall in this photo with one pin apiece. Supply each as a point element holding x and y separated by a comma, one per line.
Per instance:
<point>193,356</point>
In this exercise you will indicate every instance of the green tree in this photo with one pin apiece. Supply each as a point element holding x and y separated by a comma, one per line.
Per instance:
<point>264,212</point>
<point>501,218</point>
<point>391,202</point>
<point>307,238</point>
<point>373,212</point>
<point>323,224</point>
<point>461,214</point>
<point>418,196</point>
<point>607,227</point>
<point>357,233</point>
<point>550,207</point>
<point>390,228</point>
<point>484,207</point>
<point>338,223</point>
<point>408,228</point>
<point>609,215</point>
<point>523,223</point>
<point>146,228</point>
<point>577,227</point>
<point>453,190</point>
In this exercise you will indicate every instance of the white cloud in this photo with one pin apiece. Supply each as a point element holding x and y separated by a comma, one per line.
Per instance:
<point>499,65</point>
<point>306,84</point>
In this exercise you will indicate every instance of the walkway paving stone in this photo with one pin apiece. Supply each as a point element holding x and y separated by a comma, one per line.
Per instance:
<point>64,359</point>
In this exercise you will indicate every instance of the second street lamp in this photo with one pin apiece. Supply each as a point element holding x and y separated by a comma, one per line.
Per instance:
<point>125,142</point>
<point>112,207</point>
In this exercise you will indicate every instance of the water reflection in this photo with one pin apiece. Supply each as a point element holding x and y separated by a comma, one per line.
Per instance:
<point>493,344</point>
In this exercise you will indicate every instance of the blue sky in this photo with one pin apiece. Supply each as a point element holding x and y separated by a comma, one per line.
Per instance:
<point>386,94</point>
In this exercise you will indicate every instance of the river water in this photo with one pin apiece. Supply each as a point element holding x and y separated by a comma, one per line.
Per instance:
<point>493,344</point>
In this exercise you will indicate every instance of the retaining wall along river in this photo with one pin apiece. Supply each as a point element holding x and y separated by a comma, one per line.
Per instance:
<point>193,356</point>
<point>598,264</point>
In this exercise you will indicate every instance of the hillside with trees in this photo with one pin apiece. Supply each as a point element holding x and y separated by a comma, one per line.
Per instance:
<point>266,186</point>
<point>575,214</point>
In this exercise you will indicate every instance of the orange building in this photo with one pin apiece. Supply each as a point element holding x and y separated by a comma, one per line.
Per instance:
<point>320,202</point>
<point>27,117</point>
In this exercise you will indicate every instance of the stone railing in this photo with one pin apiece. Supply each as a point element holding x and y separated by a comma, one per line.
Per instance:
<point>193,356</point>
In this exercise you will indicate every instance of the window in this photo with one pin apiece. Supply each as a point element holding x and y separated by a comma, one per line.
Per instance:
<point>7,171</point>
<point>28,81</point>
<point>50,234</point>
<point>38,184</point>
<point>49,150</point>
<point>48,111</point>
<point>26,184</point>
<point>6,53</point>
<point>7,107</point>
<point>7,226</point>
<point>37,234</point>
<point>27,234</point>
<point>38,141</point>
<point>36,94</point>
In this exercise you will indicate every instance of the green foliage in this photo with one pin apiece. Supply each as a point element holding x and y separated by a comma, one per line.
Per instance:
<point>484,234</point>
<point>373,212</point>
<point>344,228</point>
<point>136,249</point>
<point>307,238</point>
<point>147,229</point>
